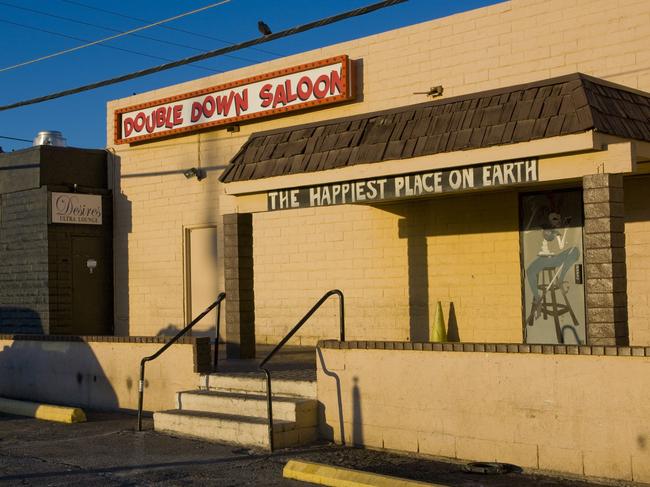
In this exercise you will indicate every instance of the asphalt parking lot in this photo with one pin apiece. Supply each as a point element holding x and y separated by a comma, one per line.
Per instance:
<point>107,450</point>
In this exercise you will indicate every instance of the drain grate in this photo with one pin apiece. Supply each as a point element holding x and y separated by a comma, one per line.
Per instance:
<point>492,468</point>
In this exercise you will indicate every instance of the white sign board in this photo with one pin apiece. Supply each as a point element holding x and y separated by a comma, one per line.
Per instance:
<point>405,186</point>
<point>78,209</point>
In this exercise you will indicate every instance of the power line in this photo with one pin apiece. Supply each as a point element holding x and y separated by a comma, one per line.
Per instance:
<point>217,52</point>
<point>168,27</point>
<point>115,48</point>
<point>15,138</point>
<point>90,24</point>
<point>110,38</point>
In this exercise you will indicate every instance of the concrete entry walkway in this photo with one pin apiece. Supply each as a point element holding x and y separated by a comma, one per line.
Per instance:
<point>290,363</point>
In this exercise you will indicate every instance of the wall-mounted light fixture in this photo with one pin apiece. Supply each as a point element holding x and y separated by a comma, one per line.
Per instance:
<point>232,128</point>
<point>433,92</point>
<point>91,264</point>
<point>194,172</point>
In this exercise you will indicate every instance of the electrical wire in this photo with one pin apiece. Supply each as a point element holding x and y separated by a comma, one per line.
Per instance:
<point>167,27</point>
<point>116,36</point>
<point>15,138</point>
<point>217,52</point>
<point>111,29</point>
<point>115,48</point>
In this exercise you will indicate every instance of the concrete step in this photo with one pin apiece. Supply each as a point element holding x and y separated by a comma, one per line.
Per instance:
<point>256,383</point>
<point>229,428</point>
<point>301,411</point>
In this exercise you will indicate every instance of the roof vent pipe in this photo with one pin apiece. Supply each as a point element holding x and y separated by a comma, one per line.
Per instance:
<point>50,137</point>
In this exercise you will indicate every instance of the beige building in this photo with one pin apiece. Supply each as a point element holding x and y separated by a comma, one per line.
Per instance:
<point>515,197</point>
<point>392,276</point>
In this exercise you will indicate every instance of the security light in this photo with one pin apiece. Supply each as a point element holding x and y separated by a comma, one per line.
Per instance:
<point>194,172</point>
<point>433,92</point>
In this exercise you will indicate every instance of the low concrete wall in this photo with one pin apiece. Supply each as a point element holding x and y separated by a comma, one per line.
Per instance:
<point>95,374</point>
<point>578,414</point>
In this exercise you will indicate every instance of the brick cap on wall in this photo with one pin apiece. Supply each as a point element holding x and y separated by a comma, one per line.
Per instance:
<point>488,347</point>
<point>98,338</point>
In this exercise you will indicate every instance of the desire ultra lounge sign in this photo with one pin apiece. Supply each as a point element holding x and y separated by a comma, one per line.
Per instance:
<point>299,87</point>
<point>405,186</point>
<point>75,208</point>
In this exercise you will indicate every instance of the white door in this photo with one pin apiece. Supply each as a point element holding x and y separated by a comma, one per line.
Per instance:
<point>204,280</point>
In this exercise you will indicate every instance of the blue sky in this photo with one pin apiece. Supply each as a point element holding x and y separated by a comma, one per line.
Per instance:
<point>41,30</point>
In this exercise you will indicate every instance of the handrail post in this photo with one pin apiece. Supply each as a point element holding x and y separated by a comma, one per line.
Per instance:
<point>269,407</point>
<point>341,315</point>
<point>140,394</point>
<point>215,366</point>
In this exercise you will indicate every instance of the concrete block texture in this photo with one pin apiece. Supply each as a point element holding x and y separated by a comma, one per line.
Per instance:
<point>604,225</point>
<point>603,195</point>
<point>604,208</point>
<point>606,300</point>
<point>393,266</point>
<point>604,240</point>
<point>24,292</point>
<point>605,181</point>
<point>539,411</point>
<point>238,274</point>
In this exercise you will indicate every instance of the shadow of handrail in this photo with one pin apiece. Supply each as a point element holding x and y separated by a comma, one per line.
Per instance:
<point>339,398</point>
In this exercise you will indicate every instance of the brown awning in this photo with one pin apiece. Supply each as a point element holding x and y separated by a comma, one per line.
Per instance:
<point>559,106</point>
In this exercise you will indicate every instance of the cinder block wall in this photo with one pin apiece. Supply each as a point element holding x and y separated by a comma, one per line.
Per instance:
<point>154,204</point>
<point>637,242</point>
<point>95,374</point>
<point>24,294</point>
<point>549,412</point>
<point>394,263</point>
<point>504,44</point>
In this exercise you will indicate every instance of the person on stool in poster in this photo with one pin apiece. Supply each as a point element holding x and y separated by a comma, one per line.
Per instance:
<point>547,272</point>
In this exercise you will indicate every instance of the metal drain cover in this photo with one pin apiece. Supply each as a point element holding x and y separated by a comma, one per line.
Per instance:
<point>492,468</point>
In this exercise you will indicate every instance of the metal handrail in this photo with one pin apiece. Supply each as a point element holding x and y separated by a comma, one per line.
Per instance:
<point>269,404</point>
<point>176,337</point>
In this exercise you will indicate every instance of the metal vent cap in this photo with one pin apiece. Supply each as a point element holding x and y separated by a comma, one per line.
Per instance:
<point>50,137</point>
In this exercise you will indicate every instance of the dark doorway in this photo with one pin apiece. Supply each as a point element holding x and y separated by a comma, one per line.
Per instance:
<point>91,287</point>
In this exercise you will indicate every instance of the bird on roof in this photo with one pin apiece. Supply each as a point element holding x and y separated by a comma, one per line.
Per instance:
<point>263,28</point>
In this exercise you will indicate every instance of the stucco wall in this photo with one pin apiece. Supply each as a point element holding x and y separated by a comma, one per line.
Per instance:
<point>393,263</point>
<point>576,414</point>
<point>501,45</point>
<point>98,375</point>
<point>637,251</point>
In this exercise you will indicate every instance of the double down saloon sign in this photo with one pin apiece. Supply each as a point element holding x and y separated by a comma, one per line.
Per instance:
<point>296,88</point>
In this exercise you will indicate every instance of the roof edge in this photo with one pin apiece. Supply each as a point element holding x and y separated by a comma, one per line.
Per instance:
<point>442,101</point>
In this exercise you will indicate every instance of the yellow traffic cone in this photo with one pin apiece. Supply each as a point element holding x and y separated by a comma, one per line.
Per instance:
<point>439,334</point>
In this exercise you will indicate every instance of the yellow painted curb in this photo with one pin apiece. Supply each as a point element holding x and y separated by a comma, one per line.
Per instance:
<point>47,412</point>
<point>318,473</point>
